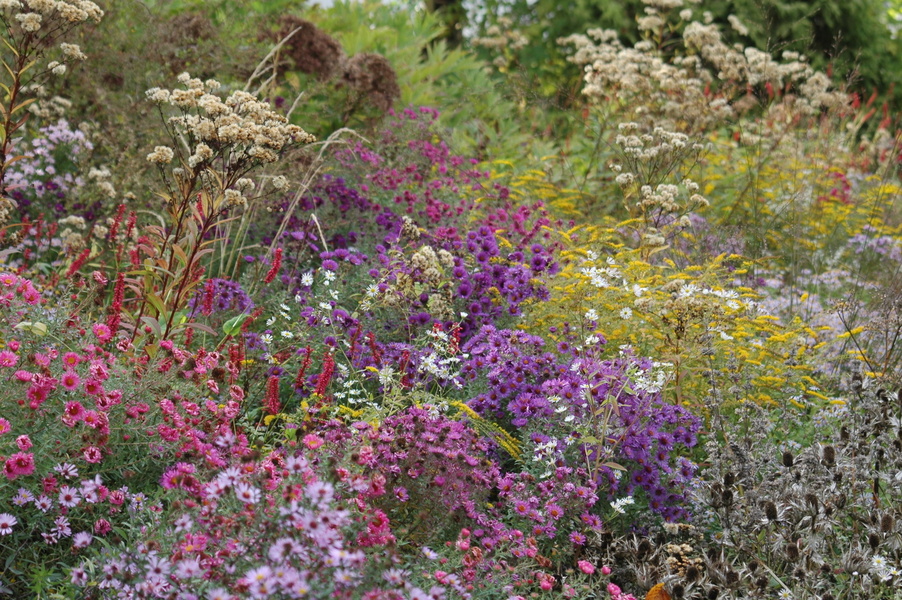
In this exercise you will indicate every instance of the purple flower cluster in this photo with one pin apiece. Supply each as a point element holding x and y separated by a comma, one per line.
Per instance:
<point>534,391</point>
<point>219,295</point>
<point>48,174</point>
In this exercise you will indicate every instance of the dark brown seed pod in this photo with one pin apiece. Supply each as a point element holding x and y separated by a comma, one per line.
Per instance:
<point>727,497</point>
<point>787,459</point>
<point>792,551</point>
<point>770,511</point>
<point>829,456</point>
<point>886,523</point>
<point>873,540</point>
<point>713,593</point>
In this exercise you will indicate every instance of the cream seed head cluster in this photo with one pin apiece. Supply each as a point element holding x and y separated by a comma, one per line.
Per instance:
<point>674,91</point>
<point>41,19</point>
<point>36,15</point>
<point>227,136</point>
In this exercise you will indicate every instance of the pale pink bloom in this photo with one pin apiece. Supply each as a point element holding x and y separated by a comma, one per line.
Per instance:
<point>6,523</point>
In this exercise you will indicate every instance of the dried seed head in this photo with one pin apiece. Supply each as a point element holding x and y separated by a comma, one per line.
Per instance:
<point>770,511</point>
<point>713,593</point>
<point>727,497</point>
<point>792,551</point>
<point>811,499</point>
<point>729,479</point>
<point>692,574</point>
<point>886,523</point>
<point>829,456</point>
<point>787,459</point>
<point>312,50</point>
<point>873,540</point>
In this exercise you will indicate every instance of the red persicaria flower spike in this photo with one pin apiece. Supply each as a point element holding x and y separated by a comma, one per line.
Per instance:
<point>276,265</point>
<point>115,315</point>
<point>271,401</point>
<point>130,224</point>
<point>405,361</point>
<point>78,262</point>
<point>325,376</point>
<point>114,227</point>
<point>305,364</point>
<point>250,320</point>
<point>374,348</point>
<point>208,298</point>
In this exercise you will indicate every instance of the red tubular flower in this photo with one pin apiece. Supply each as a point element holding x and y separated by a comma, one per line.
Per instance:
<point>115,315</point>
<point>271,401</point>
<point>249,321</point>
<point>274,269</point>
<point>78,262</point>
<point>405,362</point>
<point>377,354</point>
<point>299,380</point>
<point>207,308</point>
<point>326,375</point>
<point>114,227</point>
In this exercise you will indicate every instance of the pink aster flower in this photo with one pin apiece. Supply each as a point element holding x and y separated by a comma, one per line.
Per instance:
<point>102,332</point>
<point>586,567</point>
<point>70,380</point>
<point>313,441</point>
<point>94,387</point>
<point>74,410</point>
<point>247,493</point>
<point>8,359</point>
<point>102,527</point>
<point>4,426</point>
<point>92,454</point>
<point>69,497</point>
<point>7,521</point>
<point>71,359</point>
<point>82,539</point>
<point>20,463</point>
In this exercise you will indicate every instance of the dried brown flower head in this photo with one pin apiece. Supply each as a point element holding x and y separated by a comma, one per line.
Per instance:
<point>373,79</point>
<point>310,49</point>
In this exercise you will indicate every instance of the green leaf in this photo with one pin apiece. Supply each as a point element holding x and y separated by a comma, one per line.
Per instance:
<point>36,328</point>
<point>157,303</point>
<point>233,326</point>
